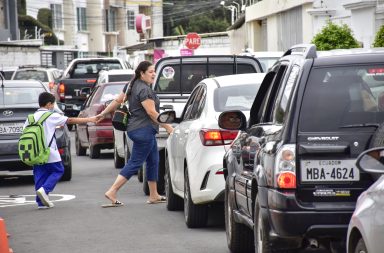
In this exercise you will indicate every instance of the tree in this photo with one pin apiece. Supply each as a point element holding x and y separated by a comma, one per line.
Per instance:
<point>28,23</point>
<point>44,16</point>
<point>379,39</point>
<point>334,36</point>
<point>21,7</point>
<point>201,16</point>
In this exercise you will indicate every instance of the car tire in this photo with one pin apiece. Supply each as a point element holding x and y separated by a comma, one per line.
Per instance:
<point>174,202</point>
<point>196,216</point>
<point>80,151</point>
<point>161,176</point>
<point>360,247</point>
<point>261,238</point>
<point>94,152</point>
<point>127,154</point>
<point>145,181</point>
<point>67,176</point>
<point>239,237</point>
<point>140,175</point>
<point>118,161</point>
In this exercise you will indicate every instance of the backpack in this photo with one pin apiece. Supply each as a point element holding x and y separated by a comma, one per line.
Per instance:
<point>32,146</point>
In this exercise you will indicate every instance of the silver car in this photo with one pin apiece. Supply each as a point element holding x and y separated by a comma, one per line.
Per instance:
<point>366,228</point>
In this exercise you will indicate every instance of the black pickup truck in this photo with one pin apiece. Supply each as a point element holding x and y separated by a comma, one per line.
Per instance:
<point>79,78</point>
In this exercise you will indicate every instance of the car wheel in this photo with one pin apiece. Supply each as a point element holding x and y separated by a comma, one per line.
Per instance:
<point>67,176</point>
<point>118,161</point>
<point>196,216</point>
<point>239,237</point>
<point>261,238</point>
<point>174,202</point>
<point>80,151</point>
<point>94,152</point>
<point>360,247</point>
<point>145,181</point>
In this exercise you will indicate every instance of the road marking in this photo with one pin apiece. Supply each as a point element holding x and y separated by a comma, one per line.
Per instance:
<point>22,200</point>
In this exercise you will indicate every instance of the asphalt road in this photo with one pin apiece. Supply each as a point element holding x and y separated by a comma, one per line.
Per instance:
<point>77,223</point>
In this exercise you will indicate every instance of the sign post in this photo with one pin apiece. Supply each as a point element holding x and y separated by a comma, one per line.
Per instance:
<point>192,41</point>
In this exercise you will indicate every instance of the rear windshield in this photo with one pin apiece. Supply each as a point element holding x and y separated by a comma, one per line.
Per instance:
<point>239,97</point>
<point>92,69</point>
<point>110,92</point>
<point>174,79</point>
<point>343,98</point>
<point>120,78</point>
<point>31,74</point>
<point>24,95</point>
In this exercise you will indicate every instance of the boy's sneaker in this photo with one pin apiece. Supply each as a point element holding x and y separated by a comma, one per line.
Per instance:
<point>43,207</point>
<point>43,196</point>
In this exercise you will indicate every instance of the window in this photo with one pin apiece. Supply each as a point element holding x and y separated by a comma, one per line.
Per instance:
<point>239,97</point>
<point>57,16</point>
<point>110,20</point>
<point>130,20</point>
<point>81,19</point>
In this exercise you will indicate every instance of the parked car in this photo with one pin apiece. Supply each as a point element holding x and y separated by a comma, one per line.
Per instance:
<point>115,75</point>
<point>97,136</point>
<point>366,227</point>
<point>266,58</point>
<point>18,99</point>
<point>195,149</point>
<point>8,72</point>
<point>47,75</point>
<point>291,178</point>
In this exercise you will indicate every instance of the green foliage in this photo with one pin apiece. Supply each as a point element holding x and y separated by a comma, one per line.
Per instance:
<point>21,7</point>
<point>201,16</point>
<point>44,16</point>
<point>28,23</point>
<point>334,36</point>
<point>379,39</point>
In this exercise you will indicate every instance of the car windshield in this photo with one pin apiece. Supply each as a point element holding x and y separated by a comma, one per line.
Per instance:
<point>111,92</point>
<point>31,74</point>
<point>343,98</point>
<point>237,97</point>
<point>20,95</point>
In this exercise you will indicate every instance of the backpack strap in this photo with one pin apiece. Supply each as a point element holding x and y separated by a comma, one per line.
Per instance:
<point>44,117</point>
<point>31,119</point>
<point>54,136</point>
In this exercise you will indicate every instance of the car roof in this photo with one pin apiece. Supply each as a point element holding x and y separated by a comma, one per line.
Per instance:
<point>23,83</point>
<point>239,79</point>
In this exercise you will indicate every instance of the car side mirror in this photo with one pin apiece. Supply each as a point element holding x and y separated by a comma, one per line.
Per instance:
<point>232,120</point>
<point>371,161</point>
<point>168,117</point>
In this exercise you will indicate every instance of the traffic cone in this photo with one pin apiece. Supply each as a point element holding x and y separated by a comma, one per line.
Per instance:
<point>4,247</point>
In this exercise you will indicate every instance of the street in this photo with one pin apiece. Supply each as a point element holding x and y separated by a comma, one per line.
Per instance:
<point>77,223</point>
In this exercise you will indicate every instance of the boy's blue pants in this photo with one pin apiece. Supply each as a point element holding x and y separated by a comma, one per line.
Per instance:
<point>47,176</point>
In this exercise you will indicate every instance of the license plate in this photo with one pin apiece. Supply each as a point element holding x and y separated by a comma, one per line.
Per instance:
<point>11,128</point>
<point>329,171</point>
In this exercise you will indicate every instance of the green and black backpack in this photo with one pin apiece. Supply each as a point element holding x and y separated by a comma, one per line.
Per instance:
<point>32,145</point>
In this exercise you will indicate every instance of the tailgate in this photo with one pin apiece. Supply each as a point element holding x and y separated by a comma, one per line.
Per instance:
<point>73,89</point>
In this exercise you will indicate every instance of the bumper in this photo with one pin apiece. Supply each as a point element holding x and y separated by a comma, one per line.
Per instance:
<point>291,223</point>
<point>101,135</point>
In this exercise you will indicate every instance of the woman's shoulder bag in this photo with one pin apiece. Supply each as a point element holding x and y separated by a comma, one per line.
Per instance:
<point>121,116</point>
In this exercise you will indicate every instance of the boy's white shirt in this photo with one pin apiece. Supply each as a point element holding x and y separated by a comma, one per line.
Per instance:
<point>50,125</point>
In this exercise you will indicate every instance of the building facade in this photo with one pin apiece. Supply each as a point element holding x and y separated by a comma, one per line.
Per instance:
<point>95,27</point>
<point>276,25</point>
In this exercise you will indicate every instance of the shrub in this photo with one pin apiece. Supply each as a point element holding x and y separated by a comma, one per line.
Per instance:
<point>334,36</point>
<point>379,39</point>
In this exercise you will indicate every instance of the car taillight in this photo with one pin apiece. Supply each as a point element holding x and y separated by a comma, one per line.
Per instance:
<point>285,170</point>
<point>211,137</point>
<point>61,151</point>
<point>61,91</point>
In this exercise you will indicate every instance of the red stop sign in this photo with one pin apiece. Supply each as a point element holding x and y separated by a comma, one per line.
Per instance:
<point>192,41</point>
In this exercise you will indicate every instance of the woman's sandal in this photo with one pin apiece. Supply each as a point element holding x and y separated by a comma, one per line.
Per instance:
<point>115,204</point>
<point>162,199</point>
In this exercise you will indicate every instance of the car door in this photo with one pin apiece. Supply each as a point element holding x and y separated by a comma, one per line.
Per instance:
<point>179,138</point>
<point>82,128</point>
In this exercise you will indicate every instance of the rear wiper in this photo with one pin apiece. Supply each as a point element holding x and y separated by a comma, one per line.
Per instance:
<point>361,125</point>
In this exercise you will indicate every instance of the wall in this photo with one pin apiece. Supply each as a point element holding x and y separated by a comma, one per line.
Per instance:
<point>19,55</point>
